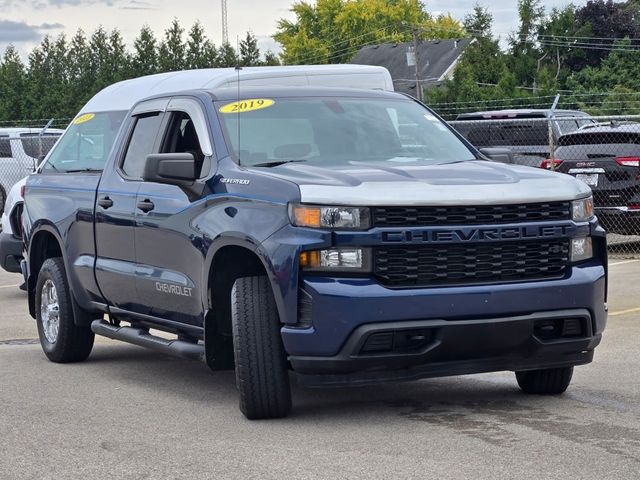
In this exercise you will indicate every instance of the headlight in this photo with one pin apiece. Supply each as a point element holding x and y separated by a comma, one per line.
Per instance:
<point>347,218</point>
<point>581,249</point>
<point>582,210</point>
<point>356,260</point>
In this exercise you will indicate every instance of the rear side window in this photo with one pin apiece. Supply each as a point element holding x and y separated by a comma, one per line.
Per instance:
<point>37,146</point>
<point>141,144</point>
<point>86,144</point>
<point>5,147</point>
<point>495,134</point>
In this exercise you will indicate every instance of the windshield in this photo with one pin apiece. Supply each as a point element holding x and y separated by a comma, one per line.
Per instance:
<point>86,143</point>
<point>337,131</point>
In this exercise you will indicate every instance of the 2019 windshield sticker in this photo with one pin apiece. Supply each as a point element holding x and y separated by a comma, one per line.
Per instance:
<point>248,105</point>
<point>84,118</point>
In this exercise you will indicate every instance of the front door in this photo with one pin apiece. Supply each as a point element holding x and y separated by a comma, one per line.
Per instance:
<point>169,251</point>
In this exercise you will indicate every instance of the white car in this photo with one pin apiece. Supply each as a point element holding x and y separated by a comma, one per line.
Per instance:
<point>11,235</point>
<point>21,149</point>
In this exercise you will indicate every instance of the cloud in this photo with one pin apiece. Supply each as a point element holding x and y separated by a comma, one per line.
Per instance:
<point>22,4</point>
<point>138,5</point>
<point>17,32</point>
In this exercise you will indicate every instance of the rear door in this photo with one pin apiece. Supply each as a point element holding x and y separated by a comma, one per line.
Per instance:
<point>169,250</point>
<point>116,210</point>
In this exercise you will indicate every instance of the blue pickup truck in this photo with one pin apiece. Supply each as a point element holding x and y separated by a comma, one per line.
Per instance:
<point>349,236</point>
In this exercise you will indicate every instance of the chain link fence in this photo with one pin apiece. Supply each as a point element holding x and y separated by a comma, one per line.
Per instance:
<point>603,152</point>
<point>22,145</point>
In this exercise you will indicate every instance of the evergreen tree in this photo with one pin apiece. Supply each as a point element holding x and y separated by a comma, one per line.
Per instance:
<point>271,59</point>
<point>47,80</point>
<point>12,85</point>
<point>227,56</point>
<point>249,52</point>
<point>172,52</point>
<point>479,22</point>
<point>80,74</point>
<point>118,59</point>
<point>200,52</point>
<point>144,60</point>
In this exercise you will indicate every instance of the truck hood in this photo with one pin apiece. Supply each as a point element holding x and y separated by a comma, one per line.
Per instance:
<point>462,183</point>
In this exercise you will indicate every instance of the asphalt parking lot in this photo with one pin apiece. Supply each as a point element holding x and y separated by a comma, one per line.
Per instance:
<point>131,413</point>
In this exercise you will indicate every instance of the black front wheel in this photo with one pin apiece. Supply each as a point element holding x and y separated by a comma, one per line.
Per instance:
<point>551,381</point>
<point>262,374</point>
<point>61,339</point>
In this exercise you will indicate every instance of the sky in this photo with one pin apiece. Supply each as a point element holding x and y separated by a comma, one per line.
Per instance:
<point>25,22</point>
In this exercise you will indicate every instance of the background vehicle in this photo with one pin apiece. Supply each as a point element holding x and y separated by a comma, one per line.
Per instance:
<point>607,158</point>
<point>524,131</point>
<point>298,226</point>
<point>11,245</point>
<point>21,149</point>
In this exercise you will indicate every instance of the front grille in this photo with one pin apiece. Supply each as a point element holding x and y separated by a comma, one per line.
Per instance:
<point>448,265</point>
<point>474,215</point>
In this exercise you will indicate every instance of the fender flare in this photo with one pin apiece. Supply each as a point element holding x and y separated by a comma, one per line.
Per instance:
<point>33,276</point>
<point>236,239</point>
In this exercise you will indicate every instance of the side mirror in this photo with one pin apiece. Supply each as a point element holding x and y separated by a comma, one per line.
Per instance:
<point>171,169</point>
<point>502,155</point>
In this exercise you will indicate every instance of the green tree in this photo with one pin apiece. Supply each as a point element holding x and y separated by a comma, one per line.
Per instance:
<point>200,53</point>
<point>227,56</point>
<point>144,60</point>
<point>172,52</point>
<point>523,43</point>
<point>80,73</point>
<point>47,79</point>
<point>332,31</point>
<point>271,59</point>
<point>479,22</point>
<point>249,52</point>
<point>12,85</point>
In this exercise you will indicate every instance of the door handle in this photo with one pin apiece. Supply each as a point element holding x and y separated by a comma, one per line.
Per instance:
<point>105,202</point>
<point>146,205</point>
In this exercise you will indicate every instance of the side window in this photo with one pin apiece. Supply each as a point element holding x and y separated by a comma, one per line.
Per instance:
<point>86,143</point>
<point>181,137</point>
<point>36,146</point>
<point>141,144</point>
<point>5,147</point>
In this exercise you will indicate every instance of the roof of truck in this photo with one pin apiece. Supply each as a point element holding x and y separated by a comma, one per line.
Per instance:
<point>123,95</point>
<point>231,94</point>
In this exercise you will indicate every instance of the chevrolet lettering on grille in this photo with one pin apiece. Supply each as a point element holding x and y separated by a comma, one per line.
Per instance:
<point>474,234</point>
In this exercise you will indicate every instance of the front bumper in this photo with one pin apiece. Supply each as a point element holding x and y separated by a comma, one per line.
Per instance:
<point>468,329</point>
<point>456,347</point>
<point>10,252</point>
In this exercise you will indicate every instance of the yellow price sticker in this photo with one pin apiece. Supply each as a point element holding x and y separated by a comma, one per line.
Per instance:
<point>84,118</point>
<point>247,105</point>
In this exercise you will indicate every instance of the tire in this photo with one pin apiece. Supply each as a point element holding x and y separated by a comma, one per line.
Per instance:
<point>68,342</point>
<point>552,381</point>
<point>262,375</point>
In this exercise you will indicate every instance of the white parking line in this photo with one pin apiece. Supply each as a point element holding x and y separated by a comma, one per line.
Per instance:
<point>624,312</point>
<point>623,262</point>
<point>9,286</point>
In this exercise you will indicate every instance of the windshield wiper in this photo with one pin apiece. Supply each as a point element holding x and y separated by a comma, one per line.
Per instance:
<point>79,170</point>
<point>276,163</point>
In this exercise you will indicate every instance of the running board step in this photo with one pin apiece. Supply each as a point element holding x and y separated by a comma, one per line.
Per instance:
<point>142,338</point>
